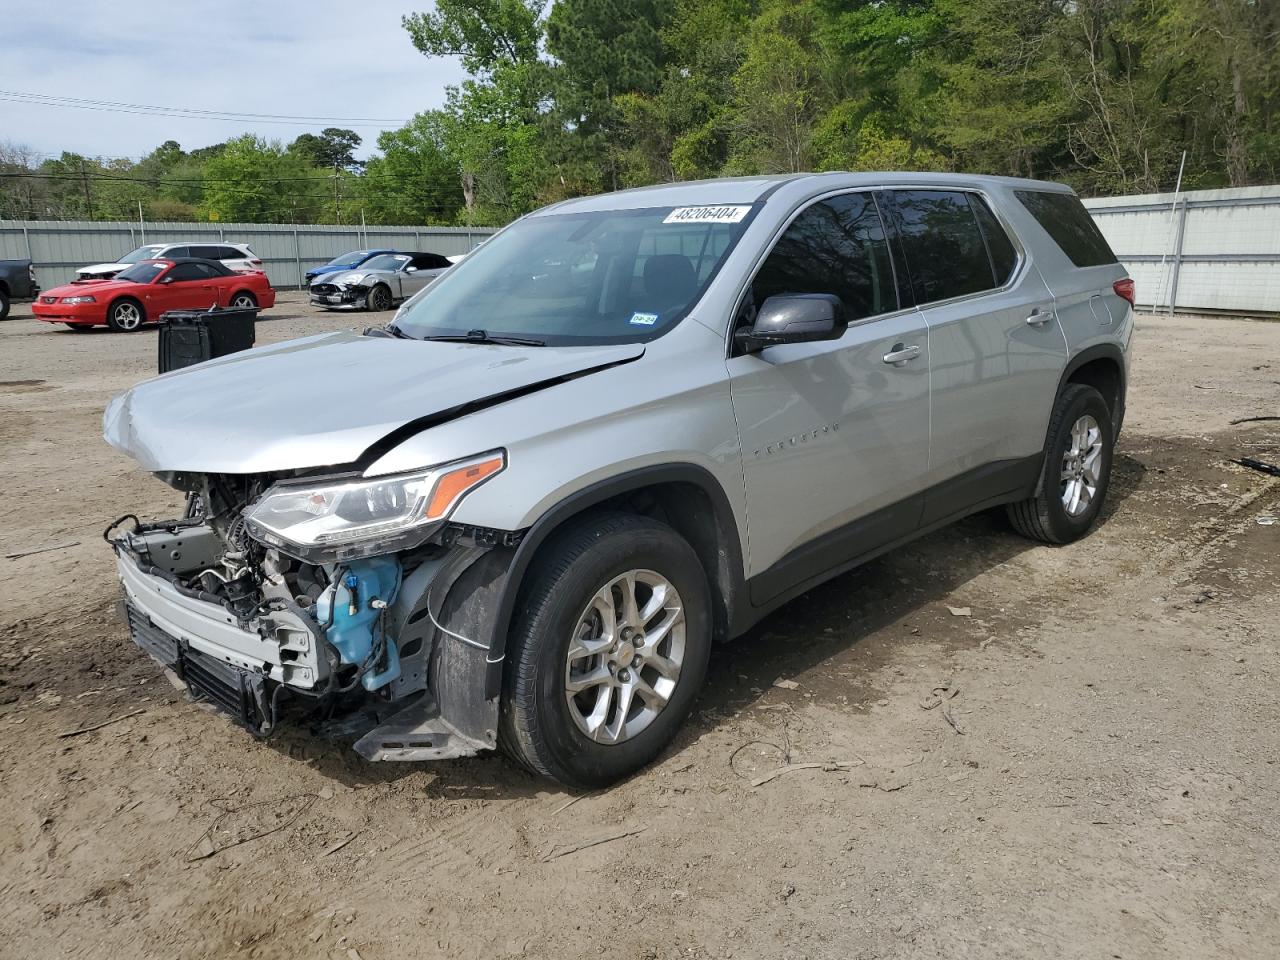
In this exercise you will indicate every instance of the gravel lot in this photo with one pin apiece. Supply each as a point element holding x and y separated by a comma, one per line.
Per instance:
<point>1107,784</point>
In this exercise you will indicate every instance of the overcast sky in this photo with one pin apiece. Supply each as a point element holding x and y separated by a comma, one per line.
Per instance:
<point>294,57</point>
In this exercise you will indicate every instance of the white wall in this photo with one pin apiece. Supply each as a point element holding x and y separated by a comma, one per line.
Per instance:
<point>1215,250</point>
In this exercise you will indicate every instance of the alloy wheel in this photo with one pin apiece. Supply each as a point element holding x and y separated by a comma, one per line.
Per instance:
<point>128,316</point>
<point>1081,466</point>
<point>625,656</point>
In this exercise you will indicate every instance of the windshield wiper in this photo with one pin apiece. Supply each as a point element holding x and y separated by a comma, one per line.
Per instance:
<point>480,336</point>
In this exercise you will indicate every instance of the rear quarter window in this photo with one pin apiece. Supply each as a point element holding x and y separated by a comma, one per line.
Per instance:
<point>1066,220</point>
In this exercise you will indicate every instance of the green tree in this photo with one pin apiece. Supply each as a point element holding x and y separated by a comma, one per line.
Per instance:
<point>253,180</point>
<point>333,148</point>
<point>414,180</point>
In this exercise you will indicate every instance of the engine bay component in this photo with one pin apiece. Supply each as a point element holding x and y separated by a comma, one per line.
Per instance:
<point>356,612</point>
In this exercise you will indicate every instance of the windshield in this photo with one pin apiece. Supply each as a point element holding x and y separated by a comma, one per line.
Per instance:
<point>141,272</point>
<point>611,276</point>
<point>142,253</point>
<point>387,261</point>
<point>352,259</point>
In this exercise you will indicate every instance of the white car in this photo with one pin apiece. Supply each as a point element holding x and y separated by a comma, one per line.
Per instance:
<point>235,256</point>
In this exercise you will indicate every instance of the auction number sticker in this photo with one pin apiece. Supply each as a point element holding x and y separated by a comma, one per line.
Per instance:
<point>707,214</point>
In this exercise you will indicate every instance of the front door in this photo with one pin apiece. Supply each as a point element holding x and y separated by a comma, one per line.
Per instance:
<point>834,434</point>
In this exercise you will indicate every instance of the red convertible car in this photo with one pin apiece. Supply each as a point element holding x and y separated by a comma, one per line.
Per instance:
<point>148,289</point>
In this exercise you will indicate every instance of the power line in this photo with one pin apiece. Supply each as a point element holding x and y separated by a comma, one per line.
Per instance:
<point>190,113</point>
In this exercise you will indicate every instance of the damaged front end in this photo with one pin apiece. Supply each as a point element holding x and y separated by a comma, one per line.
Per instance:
<point>340,294</point>
<point>348,603</point>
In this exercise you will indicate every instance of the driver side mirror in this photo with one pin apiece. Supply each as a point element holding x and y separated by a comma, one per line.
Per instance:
<point>795,318</point>
<point>410,269</point>
<point>166,279</point>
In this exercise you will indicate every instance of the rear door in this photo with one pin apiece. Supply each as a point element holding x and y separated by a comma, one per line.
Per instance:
<point>996,349</point>
<point>835,435</point>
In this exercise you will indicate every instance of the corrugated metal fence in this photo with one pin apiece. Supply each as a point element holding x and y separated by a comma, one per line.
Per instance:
<point>287,251</point>
<point>1205,250</point>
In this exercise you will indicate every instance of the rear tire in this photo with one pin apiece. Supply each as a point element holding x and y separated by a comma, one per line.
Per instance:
<point>4,305</point>
<point>244,299</point>
<point>125,316</point>
<point>647,661</point>
<point>1076,472</point>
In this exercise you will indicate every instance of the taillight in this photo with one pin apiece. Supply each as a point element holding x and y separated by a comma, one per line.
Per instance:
<point>31,272</point>
<point>256,263</point>
<point>1124,290</point>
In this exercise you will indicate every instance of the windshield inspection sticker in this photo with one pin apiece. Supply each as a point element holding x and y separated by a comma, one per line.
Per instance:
<point>707,215</point>
<point>643,319</point>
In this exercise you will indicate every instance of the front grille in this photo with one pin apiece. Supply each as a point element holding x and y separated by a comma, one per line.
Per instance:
<point>324,288</point>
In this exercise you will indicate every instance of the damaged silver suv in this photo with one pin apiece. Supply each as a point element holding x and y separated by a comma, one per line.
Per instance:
<point>628,426</point>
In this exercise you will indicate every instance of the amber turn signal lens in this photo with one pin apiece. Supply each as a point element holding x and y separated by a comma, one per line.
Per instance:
<point>455,483</point>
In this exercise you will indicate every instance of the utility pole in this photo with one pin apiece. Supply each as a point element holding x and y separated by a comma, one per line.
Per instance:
<point>337,193</point>
<point>88,198</point>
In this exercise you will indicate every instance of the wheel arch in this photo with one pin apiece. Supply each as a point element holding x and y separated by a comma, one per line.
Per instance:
<point>1101,367</point>
<point>685,496</point>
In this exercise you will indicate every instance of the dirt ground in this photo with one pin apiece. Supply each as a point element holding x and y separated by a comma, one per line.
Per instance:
<point>1101,781</point>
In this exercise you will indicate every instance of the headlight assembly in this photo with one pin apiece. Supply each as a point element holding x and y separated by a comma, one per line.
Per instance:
<point>83,299</point>
<point>344,519</point>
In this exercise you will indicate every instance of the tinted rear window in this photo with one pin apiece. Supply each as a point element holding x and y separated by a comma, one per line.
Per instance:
<point>1065,219</point>
<point>944,248</point>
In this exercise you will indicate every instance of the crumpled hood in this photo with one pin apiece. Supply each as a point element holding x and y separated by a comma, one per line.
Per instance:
<point>322,400</point>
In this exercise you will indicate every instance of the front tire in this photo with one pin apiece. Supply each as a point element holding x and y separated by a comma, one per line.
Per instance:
<point>1076,473</point>
<point>125,316</point>
<point>608,651</point>
<point>379,299</point>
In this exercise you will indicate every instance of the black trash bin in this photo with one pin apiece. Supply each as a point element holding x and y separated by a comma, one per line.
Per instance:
<point>192,336</point>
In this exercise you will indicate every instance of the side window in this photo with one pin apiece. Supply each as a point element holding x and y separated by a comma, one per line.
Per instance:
<point>1003,256</point>
<point>229,253</point>
<point>207,253</point>
<point>834,246</point>
<point>186,271</point>
<point>1065,219</point>
<point>944,249</point>
<point>174,253</point>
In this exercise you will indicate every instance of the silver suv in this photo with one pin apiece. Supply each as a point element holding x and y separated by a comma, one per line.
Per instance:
<point>630,425</point>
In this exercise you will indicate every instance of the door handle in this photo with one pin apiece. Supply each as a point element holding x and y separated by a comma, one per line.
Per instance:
<point>900,354</point>
<point>1039,317</point>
